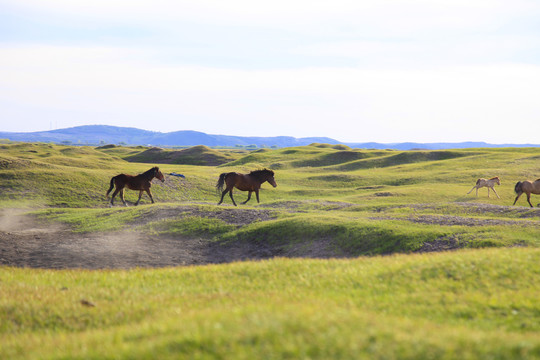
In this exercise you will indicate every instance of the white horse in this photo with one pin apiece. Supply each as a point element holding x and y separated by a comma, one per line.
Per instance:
<point>486,183</point>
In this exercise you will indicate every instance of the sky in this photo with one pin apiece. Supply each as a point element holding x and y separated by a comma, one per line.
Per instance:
<point>353,70</point>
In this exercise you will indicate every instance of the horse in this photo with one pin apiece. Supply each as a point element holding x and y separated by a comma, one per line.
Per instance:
<point>139,182</point>
<point>527,187</point>
<point>245,182</point>
<point>486,183</point>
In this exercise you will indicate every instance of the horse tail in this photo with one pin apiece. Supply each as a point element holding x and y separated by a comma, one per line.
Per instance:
<point>221,182</point>
<point>478,181</point>
<point>518,188</point>
<point>112,185</point>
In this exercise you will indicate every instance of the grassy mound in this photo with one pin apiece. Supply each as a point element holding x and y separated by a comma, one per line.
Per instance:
<point>44,155</point>
<point>196,155</point>
<point>390,159</point>
<point>314,155</point>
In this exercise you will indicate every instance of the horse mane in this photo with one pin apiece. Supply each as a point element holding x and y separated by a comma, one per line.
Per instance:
<point>150,172</point>
<point>260,174</point>
<point>493,178</point>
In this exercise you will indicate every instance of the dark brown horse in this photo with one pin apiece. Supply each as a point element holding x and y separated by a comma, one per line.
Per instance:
<point>246,182</point>
<point>527,187</point>
<point>139,182</point>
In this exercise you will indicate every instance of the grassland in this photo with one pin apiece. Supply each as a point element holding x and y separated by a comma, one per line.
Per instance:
<point>467,305</point>
<point>346,205</point>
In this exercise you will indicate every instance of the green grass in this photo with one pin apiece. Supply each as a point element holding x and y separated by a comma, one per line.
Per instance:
<point>469,304</point>
<point>352,237</point>
<point>465,305</point>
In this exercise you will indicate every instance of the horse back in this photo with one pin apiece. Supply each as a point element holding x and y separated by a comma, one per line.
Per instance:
<point>122,178</point>
<point>131,182</point>
<point>242,182</point>
<point>535,186</point>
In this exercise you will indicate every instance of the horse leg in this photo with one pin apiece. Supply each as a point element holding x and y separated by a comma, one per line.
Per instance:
<point>529,199</point>
<point>474,187</point>
<point>139,199</point>
<point>495,192</point>
<point>257,194</point>
<point>150,194</point>
<point>230,194</point>
<point>122,197</point>
<point>249,197</point>
<point>222,196</point>
<point>116,191</point>
<point>488,190</point>
<point>517,197</point>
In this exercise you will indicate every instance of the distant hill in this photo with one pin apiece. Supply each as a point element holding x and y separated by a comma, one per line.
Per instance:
<point>434,146</point>
<point>105,134</point>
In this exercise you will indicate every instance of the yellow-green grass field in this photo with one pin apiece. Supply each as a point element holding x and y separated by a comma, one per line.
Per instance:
<point>460,305</point>
<point>380,288</point>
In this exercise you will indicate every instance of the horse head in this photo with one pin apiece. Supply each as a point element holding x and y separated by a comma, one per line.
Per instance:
<point>158,174</point>
<point>270,177</point>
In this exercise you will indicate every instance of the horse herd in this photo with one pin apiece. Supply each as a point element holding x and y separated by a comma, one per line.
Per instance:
<point>246,182</point>
<point>528,187</point>
<point>252,183</point>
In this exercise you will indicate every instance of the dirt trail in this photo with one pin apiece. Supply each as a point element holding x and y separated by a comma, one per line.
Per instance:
<point>26,242</point>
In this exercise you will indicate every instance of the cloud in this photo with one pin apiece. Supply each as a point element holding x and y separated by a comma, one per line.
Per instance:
<point>412,70</point>
<point>349,104</point>
<point>390,17</point>
<point>281,34</point>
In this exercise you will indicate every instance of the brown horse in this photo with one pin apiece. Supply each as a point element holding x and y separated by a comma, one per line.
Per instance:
<point>527,187</point>
<point>246,182</point>
<point>139,182</point>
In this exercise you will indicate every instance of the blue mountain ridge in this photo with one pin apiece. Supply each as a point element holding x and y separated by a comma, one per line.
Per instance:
<point>106,134</point>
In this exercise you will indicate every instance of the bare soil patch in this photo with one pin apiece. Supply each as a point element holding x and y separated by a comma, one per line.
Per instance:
<point>454,220</point>
<point>525,215</point>
<point>229,214</point>
<point>27,242</point>
<point>479,208</point>
<point>446,243</point>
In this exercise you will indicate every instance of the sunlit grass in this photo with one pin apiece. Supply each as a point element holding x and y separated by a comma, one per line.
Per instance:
<point>451,305</point>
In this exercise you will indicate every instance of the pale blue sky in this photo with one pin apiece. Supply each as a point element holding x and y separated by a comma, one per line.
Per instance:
<point>388,71</point>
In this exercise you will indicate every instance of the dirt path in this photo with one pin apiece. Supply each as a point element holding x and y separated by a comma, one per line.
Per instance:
<point>25,242</point>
